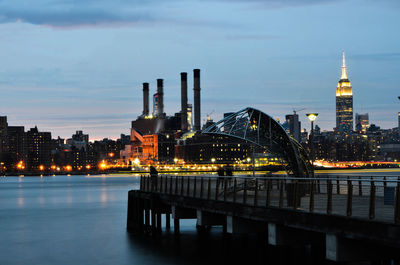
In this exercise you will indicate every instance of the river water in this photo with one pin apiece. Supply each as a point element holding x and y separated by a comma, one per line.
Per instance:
<point>82,220</point>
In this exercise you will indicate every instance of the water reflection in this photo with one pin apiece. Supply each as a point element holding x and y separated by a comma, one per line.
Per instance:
<point>21,201</point>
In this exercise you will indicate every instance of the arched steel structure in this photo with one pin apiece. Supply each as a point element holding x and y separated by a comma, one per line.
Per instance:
<point>260,129</point>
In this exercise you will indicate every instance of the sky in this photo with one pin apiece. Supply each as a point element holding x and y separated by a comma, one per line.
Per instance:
<point>68,65</point>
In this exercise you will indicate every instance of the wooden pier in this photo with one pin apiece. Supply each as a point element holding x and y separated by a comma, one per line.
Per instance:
<point>353,218</point>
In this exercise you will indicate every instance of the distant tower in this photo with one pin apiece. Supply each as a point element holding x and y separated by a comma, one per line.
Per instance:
<point>344,101</point>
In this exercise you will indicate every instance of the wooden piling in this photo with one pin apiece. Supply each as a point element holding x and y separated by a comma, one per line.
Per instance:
<point>311,206</point>
<point>188,187</point>
<point>337,185</point>
<point>201,187</point>
<point>209,189</point>
<point>194,187</point>
<point>176,226</point>
<point>329,200</point>
<point>372,202</point>
<point>225,188</point>
<point>349,208</point>
<point>256,193</point>
<point>182,183</point>
<point>281,194</point>
<point>397,205</point>
<point>176,185</point>
<point>168,221</point>
<point>268,193</point>
<point>216,189</point>
<point>245,191</point>
<point>234,189</point>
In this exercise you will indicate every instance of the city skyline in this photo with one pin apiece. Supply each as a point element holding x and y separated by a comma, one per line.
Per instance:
<point>83,69</point>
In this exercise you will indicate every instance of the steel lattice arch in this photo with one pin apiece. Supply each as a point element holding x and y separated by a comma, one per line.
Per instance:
<point>262,131</point>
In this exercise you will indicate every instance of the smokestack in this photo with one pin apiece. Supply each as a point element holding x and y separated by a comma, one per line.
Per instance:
<point>196,89</point>
<point>184,107</point>
<point>145,99</point>
<point>160,92</point>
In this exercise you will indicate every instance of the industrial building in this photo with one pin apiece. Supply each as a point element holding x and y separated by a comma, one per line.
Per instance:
<point>154,135</point>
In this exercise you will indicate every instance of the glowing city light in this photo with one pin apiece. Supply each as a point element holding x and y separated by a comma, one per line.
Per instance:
<point>312,116</point>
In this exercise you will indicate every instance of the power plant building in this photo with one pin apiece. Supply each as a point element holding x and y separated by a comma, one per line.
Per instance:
<point>153,137</point>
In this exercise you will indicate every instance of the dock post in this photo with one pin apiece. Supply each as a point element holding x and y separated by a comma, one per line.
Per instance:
<point>182,183</point>
<point>201,187</point>
<point>146,215</point>
<point>188,187</point>
<point>153,219</point>
<point>329,200</point>
<point>216,189</point>
<point>176,185</point>
<point>176,226</point>
<point>256,193</point>
<point>234,190</point>
<point>268,188</point>
<point>397,205</point>
<point>194,187</point>
<point>225,189</point>
<point>311,209</point>
<point>168,221</point>
<point>245,191</point>
<point>280,193</point>
<point>337,185</point>
<point>130,223</point>
<point>159,223</point>
<point>349,210</point>
<point>372,201</point>
<point>209,189</point>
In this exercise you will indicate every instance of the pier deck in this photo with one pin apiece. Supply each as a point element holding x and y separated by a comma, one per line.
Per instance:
<point>349,216</point>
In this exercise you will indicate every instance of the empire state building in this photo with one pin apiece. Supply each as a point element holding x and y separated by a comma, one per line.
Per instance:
<point>344,101</point>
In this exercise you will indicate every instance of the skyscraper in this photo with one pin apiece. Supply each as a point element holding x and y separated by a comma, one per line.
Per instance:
<point>294,126</point>
<point>344,101</point>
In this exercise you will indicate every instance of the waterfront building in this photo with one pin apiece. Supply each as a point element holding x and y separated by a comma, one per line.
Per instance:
<point>79,140</point>
<point>362,122</point>
<point>3,136</point>
<point>39,149</point>
<point>203,148</point>
<point>344,101</point>
<point>17,147</point>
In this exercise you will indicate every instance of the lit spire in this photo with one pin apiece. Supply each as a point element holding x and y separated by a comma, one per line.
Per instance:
<point>344,71</point>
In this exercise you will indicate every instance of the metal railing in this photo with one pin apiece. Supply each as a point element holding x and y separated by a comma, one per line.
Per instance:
<point>373,198</point>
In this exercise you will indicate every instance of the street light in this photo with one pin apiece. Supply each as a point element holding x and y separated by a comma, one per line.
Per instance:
<point>312,117</point>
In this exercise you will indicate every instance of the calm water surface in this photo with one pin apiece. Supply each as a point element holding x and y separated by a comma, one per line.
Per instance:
<point>82,220</point>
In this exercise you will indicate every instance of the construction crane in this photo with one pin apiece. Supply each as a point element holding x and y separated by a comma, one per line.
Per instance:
<point>294,110</point>
<point>209,115</point>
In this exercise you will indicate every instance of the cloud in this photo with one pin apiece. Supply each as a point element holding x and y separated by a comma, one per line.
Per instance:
<point>252,37</point>
<point>388,56</point>
<point>69,13</point>
<point>78,13</point>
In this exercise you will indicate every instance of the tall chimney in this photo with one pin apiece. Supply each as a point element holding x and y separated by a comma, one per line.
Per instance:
<point>184,107</point>
<point>160,92</point>
<point>196,89</point>
<point>145,99</point>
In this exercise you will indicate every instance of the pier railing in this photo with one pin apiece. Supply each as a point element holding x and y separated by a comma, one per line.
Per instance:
<point>372,198</point>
